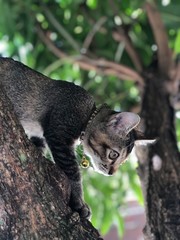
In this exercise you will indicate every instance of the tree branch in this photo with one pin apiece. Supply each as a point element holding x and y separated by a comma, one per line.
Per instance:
<point>164,54</point>
<point>122,37</point>
<point>119,68</point>
<point>99,65</point>
<point>173,86</point>
<point>158,165</point>
<point>34,193</point>
<point>91,34</point>
<point>56,51</point>
<point>61,29</point>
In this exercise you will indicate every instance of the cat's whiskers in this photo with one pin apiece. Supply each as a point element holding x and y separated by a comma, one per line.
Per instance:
<point>122,152</point>
<point>128,146</point>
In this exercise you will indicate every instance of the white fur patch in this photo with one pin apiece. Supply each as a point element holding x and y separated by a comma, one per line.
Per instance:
<point>76,143</point>
<point>32,129</point>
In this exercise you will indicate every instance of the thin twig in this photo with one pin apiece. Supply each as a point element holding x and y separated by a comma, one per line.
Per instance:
<point>122,36</point>
<point>119,68</point>
<point>119,51</point>
<point>173,86</point>
<point>91,20</point>
<point>61,29</point>
<point>129,48</point>
<point>99,65</point>
<point>48,42</point>
<point>91,34</point>
<point>164,54</point>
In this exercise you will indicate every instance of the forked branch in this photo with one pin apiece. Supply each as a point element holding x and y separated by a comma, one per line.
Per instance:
<point>99,65</point>
<point>122,37</point>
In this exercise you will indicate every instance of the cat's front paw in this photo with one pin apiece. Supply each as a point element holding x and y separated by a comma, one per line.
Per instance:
<point>84,212</point>
<point>81,207</point>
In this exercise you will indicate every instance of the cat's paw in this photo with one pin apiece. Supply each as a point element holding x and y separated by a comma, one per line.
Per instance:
<point>84,212</point>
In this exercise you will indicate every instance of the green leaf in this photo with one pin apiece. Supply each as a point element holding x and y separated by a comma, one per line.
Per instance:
<point>177,43</point>
<point>107,219</point>
<point>92,3</point>
<point>120,224</point>
<point>137,191</point>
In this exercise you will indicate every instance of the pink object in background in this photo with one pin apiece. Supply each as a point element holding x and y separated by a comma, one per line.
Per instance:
<point>134,223</point>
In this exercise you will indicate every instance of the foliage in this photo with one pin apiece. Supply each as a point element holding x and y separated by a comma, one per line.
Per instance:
<point>77,27</point>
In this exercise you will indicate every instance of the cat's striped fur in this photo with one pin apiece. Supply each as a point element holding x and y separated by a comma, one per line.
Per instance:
<point>55,113</point>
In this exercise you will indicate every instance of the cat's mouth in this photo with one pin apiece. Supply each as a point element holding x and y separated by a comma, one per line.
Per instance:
<point>112,170</point>
<point>100,168</point>
<point>109,171</point>
<point>104,170</point>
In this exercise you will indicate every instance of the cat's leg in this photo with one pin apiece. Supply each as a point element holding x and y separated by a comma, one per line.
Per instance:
<point>64,157</point>
<point>76,201</point>
<point>67,162</point>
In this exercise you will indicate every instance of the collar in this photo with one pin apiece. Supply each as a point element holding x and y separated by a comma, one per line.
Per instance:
<point>92,116</point>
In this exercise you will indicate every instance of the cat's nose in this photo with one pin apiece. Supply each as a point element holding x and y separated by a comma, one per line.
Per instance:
<point>111,171</point>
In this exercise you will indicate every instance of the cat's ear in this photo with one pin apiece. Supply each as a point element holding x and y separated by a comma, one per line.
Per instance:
<point>122,123</point>
<point>140,138</point>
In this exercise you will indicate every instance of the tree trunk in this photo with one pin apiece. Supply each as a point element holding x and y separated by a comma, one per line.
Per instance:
<point>159,165</point>
<point>34,193</point>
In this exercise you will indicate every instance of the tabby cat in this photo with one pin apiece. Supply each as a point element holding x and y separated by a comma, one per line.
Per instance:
<point>56,113</point>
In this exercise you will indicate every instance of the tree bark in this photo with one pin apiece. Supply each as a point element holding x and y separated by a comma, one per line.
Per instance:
<point>34,193</point>
<point>159,165</point>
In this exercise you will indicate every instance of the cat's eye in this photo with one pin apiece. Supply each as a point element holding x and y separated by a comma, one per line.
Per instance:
<point>113,155</point>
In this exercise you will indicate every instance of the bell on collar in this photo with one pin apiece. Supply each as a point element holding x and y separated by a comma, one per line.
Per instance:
<point>84,162</point>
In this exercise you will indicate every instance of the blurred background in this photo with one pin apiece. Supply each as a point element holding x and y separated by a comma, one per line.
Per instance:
<point>100,45</point>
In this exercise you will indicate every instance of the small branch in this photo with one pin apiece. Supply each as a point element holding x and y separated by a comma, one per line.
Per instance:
<point>164,54</point>
<point>133,75</point>
<point>92,33</point>
<point>173,86</point>
<point>122,36</point>
<point>91,21</point>
<point>177,74</point>
<point>99,65</point>
<point>129,48</point>
<point>48,42</point>
<point>61,29</point>
<point>119,52</point>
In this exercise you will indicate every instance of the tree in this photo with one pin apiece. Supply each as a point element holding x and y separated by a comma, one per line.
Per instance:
<point>116,40</point>
<point>34,192</point>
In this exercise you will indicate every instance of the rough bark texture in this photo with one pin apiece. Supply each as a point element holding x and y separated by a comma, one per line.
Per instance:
<point>34,193</point>
<point>159,166</point>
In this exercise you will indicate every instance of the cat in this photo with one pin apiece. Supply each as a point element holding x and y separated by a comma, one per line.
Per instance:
<point>54,114</point>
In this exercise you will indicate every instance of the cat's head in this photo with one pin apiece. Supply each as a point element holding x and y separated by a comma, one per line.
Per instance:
<point>110,139</point>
